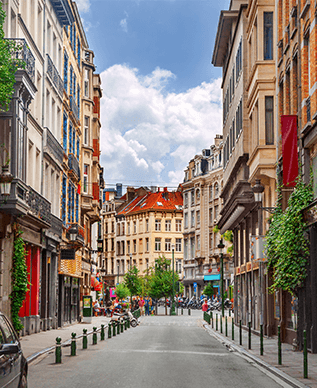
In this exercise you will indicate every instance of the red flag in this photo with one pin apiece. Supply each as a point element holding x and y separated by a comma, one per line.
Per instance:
<point>289,149</point>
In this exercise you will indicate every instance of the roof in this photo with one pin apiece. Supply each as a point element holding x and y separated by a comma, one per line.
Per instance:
<point>160,201</point>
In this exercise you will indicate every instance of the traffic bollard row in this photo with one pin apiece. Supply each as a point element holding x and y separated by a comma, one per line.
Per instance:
<point>58,351</point>
<point>102,333</point>
<point>94,336</point>
<point>85,342</point>
<point>73,345</point>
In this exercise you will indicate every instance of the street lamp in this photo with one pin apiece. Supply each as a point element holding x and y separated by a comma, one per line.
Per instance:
<point>221,246</point>
<point>118,275</point>
<point>130,261</point>
<point>173,302</point>
<point>5,181</point>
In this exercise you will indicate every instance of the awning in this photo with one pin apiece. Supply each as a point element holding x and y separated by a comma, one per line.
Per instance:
<point>212,277</point>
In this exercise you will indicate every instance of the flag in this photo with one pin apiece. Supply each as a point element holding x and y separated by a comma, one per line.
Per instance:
<point>289,149</point>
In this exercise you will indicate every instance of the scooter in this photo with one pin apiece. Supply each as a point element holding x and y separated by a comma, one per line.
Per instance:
<point>117,317</point>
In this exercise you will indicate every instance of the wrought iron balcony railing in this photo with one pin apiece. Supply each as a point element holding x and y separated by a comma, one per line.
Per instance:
<point>39,206</point>
<point>24,53</point>
<point>54,76</point>
<point>73,106</point>
<point>52,146</point>
<point>73,164</point>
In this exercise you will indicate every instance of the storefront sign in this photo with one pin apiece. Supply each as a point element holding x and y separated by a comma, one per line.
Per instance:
<point>212,277</point>
<point>68,254</point>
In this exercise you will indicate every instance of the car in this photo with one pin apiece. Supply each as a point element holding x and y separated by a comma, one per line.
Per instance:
<point>13,365</point>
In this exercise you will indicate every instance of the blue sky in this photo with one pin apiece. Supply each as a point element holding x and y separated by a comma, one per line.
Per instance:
<point>161,96</point>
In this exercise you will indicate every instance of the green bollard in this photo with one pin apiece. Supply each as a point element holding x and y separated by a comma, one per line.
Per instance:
<point>232,328</point>
<point>109,330</point>
<point>220,323</point>
<point>240,332</point>
<point>102,333</point>
<point>305,356</point>
<point>261,339</point>
<point>226,327</point>
<point>73,345</point>
<point>85,342</point>
<point>249,343</point>
<point>212,319</point>
<point>121,326</point>
<point>229,312</point>
<point>94,336</point>
<point>118,327</point>
<point>279,345</point>
<point>128,323</point>
<point>125,324</point>
<point>189,312</point>
<point>114,328</point>
<point>216,322</point>
<point>58,351</point>
<point>182,311</point>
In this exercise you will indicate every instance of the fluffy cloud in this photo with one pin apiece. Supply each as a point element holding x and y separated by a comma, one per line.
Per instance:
<point>83,5</point>
<point>148,134</point>
<point>124,25</point>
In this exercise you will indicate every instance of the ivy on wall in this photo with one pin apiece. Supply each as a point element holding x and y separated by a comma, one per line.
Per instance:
<point>19,279</point>
<point>287,245</point>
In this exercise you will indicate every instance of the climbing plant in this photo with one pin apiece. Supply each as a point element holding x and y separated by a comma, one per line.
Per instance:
<point>19,278</point>
<point>286,242</point>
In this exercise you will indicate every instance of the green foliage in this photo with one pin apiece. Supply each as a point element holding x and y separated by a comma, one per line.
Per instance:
<point>122,291</point>
<point>208,290</point>
<point>228,236</point>
<point>216,229</point>
<point>8,65</point>
<point>19,279</point>
<point>287,245</point>
<point>132,281</point>
<point>230,250</point>
<point>161,279</point>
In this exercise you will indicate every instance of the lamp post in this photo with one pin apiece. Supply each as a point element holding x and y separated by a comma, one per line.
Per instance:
<point>5,181</point>
<point>173,295</point>
<point>130,261</point>
<point>221,246</point>
<point>118,275</point>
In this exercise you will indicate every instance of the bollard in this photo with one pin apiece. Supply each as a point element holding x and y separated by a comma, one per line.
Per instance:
<point>189,312</point>
<point>128,323</point>
<point>305,356</point>
<point>229,312</point>
<point>261,339</point>
<point>94,336</point>
<point>85,342</point>
<point>114,328</point>
<point>109,330</point>
<point>212,319</point>
<point>58,351</point>
<point>240,332</point>
<point>118,327</point>
<point>232,328</point>
<point>216,322</point>
<point>220,323</point>
<point>249,342</point>
<point>226,327</point>
<point>121,326</point>
<point>73,345</point>
<point>182,311</point>
<point>279,345</point>
<point>102,333</point>
<point>125,324</point>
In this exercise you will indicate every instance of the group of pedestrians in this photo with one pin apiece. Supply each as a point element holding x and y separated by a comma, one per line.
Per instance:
<point>144,304</point>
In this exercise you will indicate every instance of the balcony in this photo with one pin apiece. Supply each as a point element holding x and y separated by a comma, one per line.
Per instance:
<point>56,226</point>
<point>73,106</point>
<point>73,165</point>
<point>38,205</point>
<point>52,147</point>
<point>77,232</point>
<point>54,76</point>
<point>24,53</point>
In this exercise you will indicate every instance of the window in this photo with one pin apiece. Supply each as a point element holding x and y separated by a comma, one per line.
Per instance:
<point>211,219</point>
<point>268,35</point>
<point>210,192</point>
<point>198,242</point>
<point>85,187</point>
<point>128,246</point>
<point>239,61</point>
<point>65,121</point>
<point>157,244</point>
<point>168,225</point>
<point>65,71</point>
<point>216,190</point>
<point>134,226</point>
<point>157,225</point>
<point>186,220</point>
<point>147,246</point>
<point>86,130</point>
<point>178,224</point>
<point>192,218</point>
<point>178,245</point>
<point>211,241</point>
<point>269,120</point>
<point>198,194</point>
<point>147,225</point>
<point>168,244</point>
<point>86,83</point>
<point>129,231</point>
<point>216,211</point>
<point>198,217</point>
<point>186,200</point>
<point>134,246</point>
<point>140,245</point>
<point>192,197</point>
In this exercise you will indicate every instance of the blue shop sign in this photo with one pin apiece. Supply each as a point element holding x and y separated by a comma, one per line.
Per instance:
<point>212,277</point>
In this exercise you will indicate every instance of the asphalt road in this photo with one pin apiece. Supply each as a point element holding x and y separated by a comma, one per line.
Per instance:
<point>161,352</point>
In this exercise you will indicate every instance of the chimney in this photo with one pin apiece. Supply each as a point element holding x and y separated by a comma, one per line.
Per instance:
<point>119,189</point>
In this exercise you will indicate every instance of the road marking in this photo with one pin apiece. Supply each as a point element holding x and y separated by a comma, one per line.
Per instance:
<point>170,351</point>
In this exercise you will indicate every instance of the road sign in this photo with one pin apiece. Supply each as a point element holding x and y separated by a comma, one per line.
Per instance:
<point>195,286</point>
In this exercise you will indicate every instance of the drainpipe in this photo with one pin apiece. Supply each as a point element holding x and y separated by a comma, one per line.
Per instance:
<point>43,95</point>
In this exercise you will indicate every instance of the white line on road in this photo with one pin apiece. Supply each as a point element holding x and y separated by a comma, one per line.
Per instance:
<point>169,351</point>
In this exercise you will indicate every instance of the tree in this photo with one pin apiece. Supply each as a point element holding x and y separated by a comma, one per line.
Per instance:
<point>122,291</point>
<point>8,65</point>
<point>208,290</point>
<point>132,281</point>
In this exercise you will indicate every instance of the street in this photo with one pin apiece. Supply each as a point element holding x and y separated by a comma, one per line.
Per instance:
<point>163,351</point>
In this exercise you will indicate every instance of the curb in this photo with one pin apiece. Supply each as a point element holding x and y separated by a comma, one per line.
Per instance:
<point>275,371</point>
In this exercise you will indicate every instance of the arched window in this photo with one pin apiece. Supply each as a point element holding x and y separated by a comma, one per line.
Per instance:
<point>210,193</point>
<point>216,190</point>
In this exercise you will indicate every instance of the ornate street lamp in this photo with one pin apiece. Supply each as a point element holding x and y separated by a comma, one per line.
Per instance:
<point>173,295</point>
<point>221,246</point>
<point>5,181</point>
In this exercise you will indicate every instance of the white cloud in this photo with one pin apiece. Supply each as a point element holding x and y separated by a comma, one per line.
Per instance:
<point>149,134</point>
<point>124,25</point>
<point>83,5</point>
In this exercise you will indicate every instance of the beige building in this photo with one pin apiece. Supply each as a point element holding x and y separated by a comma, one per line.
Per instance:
<point>244,48</point>
<point>202,205</point>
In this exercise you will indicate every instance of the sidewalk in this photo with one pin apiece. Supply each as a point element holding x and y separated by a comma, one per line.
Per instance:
<point>35,343</point>
<point>292,368</point>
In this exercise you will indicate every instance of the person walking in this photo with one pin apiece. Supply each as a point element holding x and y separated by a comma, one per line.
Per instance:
<point>147,305</point>
<point>204,307</point>
<point>141,305</point>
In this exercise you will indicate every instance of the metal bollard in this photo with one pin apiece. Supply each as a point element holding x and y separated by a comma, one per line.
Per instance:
<point>85,342</point>
<point>229,312</point>
<point>109,330</point>
<point>305,356</point>
<point>240,332</point>
<point>232,328</point>
<point>114,328</point>
<point>58,351</point>
<point>279,345</point>
<point>128,323</point>
<point>220,323</point>
<point>212,319</point>
<point>249,343</point>
<point>216,322</point>
<point>121,326</point>
<point>73,345</point>
<point>102,333</point>
<point>226,327</point>
<point>189,312</point>
<point>94,336</point>
<point>261,339</point>
<point>182,312</point>
<point>125,324</point>
<point>118,327</point>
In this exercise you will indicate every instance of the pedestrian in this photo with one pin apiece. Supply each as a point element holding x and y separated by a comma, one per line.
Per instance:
<point>204,307</point>
<point>147,305</point>
<point>150,304</point>
<point>141,305</point>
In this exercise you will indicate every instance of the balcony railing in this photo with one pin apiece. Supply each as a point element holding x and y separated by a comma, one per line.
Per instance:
<point>52,146</point>
<point>54,75</point>
<point>22,52</point>
<point>73,106</point>
<point>308,111</point>
<point>73,164</point>
<point>38,205</point>
<point>56,225</point>
<point>78,230</point>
